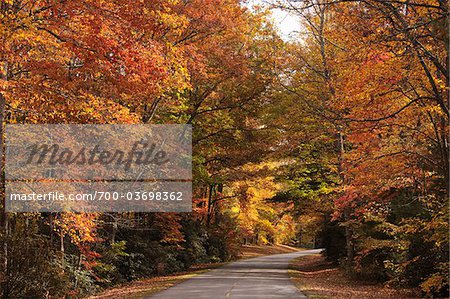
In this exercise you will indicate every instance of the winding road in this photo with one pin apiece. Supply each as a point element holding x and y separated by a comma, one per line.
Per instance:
<point>263,277</point>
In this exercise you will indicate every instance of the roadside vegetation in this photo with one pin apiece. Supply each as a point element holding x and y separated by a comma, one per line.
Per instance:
<point>318,278</point>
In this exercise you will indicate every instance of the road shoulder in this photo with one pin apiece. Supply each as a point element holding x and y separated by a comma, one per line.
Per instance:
<point>319,279</point>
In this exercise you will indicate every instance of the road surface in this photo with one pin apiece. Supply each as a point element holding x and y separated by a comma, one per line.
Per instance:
<point>263,277</point>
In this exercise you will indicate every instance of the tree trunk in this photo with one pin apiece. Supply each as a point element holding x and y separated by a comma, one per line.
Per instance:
<point>209,207</point>
<point>4,214</point>
<point>61,239</point>
<point>348,231</point>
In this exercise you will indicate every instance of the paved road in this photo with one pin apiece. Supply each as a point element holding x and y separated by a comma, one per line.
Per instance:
<point>257,278</point>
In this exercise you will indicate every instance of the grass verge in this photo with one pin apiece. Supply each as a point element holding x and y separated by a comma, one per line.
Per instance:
<point>249,251</point>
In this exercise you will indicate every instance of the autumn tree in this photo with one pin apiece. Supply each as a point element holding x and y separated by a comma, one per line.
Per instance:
<point>389,83</point>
